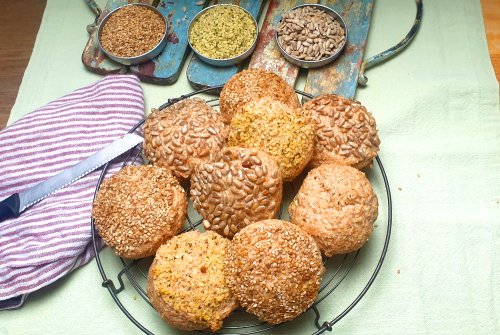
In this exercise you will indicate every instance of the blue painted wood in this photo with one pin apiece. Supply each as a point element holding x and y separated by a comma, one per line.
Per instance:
<point>341,76</point>
<point>202,75</point>
<point>166,68</point>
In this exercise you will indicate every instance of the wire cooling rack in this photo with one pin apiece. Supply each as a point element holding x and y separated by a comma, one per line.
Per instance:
<point>339,268</point>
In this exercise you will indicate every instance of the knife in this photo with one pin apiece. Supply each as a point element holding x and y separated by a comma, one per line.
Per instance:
<point>18,202</point>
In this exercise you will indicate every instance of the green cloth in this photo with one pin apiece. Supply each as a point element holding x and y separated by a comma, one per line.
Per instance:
<point>437,110</point>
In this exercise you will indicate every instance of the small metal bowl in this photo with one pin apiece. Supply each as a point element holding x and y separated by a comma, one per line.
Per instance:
<point>314,63</point>
<point>147,56</point>
<point>226,61</point>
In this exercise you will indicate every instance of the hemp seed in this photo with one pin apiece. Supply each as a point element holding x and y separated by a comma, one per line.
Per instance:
<point>223,32</point>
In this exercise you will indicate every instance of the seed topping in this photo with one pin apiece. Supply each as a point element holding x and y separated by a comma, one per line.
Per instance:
<point>231,190</point>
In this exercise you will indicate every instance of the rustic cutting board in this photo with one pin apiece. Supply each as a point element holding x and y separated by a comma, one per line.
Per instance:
<point>166,67</point>
<point>202,75</point>
<point>339,77</point>
<point>267,54</point>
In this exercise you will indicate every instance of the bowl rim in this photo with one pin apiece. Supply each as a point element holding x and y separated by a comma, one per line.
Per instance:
<point>328,10</point>
<point>204,10</point>
<point>131,58</point>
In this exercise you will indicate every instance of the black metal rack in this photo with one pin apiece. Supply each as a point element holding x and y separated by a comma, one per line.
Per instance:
<point>338,267</point>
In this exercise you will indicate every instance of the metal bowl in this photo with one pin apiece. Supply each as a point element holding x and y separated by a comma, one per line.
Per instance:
<point>147,56</point>
<point>225,61</point>
<point>314,63</point>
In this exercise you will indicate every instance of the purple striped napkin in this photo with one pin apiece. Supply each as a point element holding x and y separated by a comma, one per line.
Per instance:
<point>52,238</point>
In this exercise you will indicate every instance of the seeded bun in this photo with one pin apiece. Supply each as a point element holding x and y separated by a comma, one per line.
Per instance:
<point>183,135</point>
<point>281,131</point>
<point>236,187</point>
<point>186,282</point>
<point>274,269</point>
<point>138,209</point>
<point>253,84</point>
<point>346,133</point>
<point>337,206</point>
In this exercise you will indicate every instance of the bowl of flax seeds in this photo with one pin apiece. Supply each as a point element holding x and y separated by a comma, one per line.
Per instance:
<point>133,34</point>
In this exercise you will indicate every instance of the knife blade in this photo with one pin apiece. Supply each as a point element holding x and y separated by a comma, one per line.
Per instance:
<point>13,205</point>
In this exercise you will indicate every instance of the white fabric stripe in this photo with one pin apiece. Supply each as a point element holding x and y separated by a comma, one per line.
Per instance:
<point>120,90</point>
<point>81,126</point>
<point>50,224</point>
<point>101,86</point>
<point>103,135</point>
<point>38,278</point>
<point>57,153</point>
<point>78,129</point>
<point>33,241</point>
<point>51,253</point>
<point>69,153</point>
<point>105,99</point>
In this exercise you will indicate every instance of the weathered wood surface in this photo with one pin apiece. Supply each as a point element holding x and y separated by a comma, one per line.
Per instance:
<point>92,57</point>
<point>341,76</point>
<point>202,75</point>
<point>267,55</point>
<point>166,68</point>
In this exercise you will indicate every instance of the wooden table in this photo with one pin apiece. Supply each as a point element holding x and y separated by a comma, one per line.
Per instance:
<point>20,26</point>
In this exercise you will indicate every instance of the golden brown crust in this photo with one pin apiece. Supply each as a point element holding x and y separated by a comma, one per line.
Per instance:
<point>337,206</point>
<point>183,135</point>
<point>138,209</point>
<point>186,283</point>
<point>282,132</point>
<point>346,133</point>
<point>236,187</point>
<point>274,269</point>
<point>253,84</point>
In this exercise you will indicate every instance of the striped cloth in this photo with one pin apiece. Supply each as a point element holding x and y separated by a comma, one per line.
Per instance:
<point>53,237</point>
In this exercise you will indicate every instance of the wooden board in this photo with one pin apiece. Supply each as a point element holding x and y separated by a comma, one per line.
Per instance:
<point>166,67</point>
<point>202,75</point>
<point>92,57</point>
<point>267,55</point>
<point>341,76</point>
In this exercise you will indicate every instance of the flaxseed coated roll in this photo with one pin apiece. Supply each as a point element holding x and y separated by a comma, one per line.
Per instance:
<point>274,269</point>
<point>138,209</point>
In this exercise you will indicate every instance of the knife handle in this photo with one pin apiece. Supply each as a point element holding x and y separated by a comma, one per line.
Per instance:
<point>9,207</point>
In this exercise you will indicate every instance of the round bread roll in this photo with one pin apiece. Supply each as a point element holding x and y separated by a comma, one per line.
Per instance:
<point>274,269</point>
<point>253,84</point>
<point>138,209</point>
<point>186,283</point>
<point>236,187</point>
<point>346,133</point>
<point>281,131</point>
<point>183,135</point>
<point>337,206</point>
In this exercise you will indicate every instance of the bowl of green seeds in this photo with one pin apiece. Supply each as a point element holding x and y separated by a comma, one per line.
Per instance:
<point>223,35</point>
